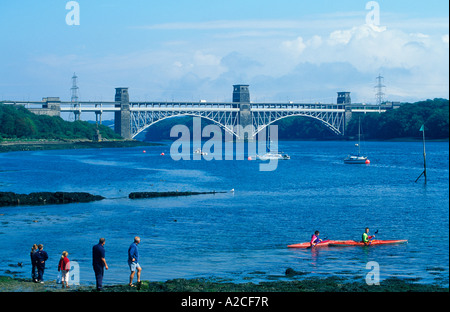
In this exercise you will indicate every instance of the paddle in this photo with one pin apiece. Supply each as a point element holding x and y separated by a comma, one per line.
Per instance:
<point>376,232</point>
<point>322,240</point>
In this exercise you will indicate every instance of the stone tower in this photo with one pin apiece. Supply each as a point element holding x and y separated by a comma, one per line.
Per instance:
<point>241,95</point>
<point>122,118</point>
<point>344,99</point>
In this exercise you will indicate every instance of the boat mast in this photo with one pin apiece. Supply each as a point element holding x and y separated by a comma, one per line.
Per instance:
<point>424,172</point>
<point>359,136</point>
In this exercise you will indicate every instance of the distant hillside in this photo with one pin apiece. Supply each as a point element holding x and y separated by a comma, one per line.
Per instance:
<point>17,122</point>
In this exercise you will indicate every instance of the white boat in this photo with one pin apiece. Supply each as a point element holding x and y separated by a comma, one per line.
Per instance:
<point>357,158</point>
<point>199,151</point>
<point>270,155</point>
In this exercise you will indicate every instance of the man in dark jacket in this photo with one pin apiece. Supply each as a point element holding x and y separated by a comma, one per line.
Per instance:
<point>40,256</point>
<point>99,262</point>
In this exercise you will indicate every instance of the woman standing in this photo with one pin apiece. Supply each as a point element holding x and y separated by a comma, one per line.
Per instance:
<point>64,267</point>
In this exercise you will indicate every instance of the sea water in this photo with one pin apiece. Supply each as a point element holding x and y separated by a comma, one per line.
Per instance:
<point>235,236</point>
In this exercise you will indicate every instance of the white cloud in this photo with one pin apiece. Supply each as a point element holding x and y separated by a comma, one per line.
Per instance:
<point>279,55</point>
<point>297,45</point>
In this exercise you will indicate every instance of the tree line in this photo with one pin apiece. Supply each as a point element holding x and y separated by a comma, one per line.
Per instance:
<point>405,121</point>
<point>17,122</point>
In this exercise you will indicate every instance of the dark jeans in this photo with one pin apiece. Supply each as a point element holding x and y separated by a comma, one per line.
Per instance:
<point>33,271</point>
<point>40,269</point>
<point>99,270</point>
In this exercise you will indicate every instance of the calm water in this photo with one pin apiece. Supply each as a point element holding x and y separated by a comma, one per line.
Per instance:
<point>240,236</point>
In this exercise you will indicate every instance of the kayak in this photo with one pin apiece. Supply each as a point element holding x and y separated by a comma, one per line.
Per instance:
<point>308,244</point>
<point>374,242</point>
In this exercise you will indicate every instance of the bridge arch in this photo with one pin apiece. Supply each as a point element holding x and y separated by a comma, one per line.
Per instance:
<point>147,125</point>
<point>330,126</point>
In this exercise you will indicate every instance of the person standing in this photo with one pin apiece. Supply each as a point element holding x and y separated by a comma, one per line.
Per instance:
<point>33,262</point>
<point>133,261</point>
<point>99,262</point>
<point>41,256</point>
<point>64,268</point>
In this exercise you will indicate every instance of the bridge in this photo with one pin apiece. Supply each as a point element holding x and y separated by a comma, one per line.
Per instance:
<point>132,118</point>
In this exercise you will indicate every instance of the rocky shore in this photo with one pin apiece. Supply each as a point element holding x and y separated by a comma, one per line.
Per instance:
<point>308,285</point>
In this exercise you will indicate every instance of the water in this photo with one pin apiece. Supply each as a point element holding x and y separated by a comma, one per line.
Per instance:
<point>240,236</point>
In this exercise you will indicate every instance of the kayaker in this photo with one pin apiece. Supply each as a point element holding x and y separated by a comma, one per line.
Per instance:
<point>366,238</point>
<point>315,239</point>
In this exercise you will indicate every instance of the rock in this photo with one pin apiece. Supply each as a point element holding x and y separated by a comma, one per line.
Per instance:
<point>46,198</point>
<point>291,272</point>
<point>136,195</point>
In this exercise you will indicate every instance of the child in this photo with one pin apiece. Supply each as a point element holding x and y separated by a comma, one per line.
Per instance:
<point>315,239</point>
<point>64,267</point>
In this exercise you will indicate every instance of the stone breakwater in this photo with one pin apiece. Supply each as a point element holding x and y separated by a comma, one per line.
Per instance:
<point>46,198</point>
<point>137,195</point>
<point>55,198</point>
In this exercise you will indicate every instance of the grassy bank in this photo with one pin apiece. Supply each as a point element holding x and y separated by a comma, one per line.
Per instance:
<point>330,284</point>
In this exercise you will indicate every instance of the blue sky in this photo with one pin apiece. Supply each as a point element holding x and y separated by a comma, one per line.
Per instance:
<point>190,50</point>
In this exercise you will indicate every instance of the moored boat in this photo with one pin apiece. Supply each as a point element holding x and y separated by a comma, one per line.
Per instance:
<point>269,156</point>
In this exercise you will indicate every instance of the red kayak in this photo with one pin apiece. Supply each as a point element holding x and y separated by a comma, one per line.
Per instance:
<point>374,242</point>
<point>308,244</point>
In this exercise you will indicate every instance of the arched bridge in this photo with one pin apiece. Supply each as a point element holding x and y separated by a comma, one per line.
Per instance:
<point>131,118</point>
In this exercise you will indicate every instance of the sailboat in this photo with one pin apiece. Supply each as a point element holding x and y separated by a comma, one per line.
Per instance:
<point>357,158</point>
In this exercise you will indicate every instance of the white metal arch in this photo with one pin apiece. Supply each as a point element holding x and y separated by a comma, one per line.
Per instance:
<point>327,124</point>
<point>143,128</point>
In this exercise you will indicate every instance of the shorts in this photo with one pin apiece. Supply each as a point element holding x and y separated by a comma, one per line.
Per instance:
<point>134,266</point>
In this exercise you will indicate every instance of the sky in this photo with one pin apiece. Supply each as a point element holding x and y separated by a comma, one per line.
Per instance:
<point>286,50</point>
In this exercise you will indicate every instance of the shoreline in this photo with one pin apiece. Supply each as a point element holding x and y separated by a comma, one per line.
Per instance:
<point>39,145</point>
<point>7,146</point>
<point>307,285</point>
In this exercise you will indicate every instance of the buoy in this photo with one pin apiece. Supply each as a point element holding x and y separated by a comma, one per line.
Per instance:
<point>249,158</point>
<point>144,151</point>
<point>367,161</point>
<point>162,154</point>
